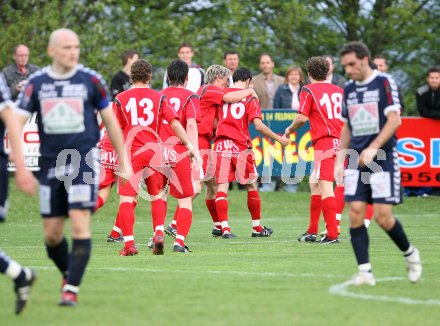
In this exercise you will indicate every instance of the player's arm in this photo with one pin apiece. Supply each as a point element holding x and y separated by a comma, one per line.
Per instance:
<point>193,135</point>
<point>388,130</point>
<point>24,179</point>
<point>263,129</point>
<point>300,120</point>
<point>236,96</point>
<point>115,134</point>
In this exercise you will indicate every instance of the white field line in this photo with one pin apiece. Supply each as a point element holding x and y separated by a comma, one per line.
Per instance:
<point>341,289</point>
<point>213,272</point>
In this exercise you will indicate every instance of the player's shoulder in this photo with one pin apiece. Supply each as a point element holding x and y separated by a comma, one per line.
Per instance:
<point>40,74</point>
<point>92,74</point>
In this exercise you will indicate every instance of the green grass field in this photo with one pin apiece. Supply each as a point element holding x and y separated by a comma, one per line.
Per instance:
<point>244,281</point>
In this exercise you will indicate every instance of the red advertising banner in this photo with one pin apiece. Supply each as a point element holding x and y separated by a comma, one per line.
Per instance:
<point>419,152</point>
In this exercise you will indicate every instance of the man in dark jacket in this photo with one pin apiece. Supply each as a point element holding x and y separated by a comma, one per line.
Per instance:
<point>17,73</point>
<point>428,96</point>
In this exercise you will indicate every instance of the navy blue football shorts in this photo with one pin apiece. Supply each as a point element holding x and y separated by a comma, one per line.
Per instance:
<point>4,185</point>
<point>378,183</point>
<point>69,182</point>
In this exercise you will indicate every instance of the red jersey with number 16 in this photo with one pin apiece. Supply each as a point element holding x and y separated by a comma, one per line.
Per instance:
<point>142,111</point>
<point>321,103</point>
<point>234,119</point>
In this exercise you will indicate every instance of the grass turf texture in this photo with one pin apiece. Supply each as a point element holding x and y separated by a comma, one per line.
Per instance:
<point>244,281</point>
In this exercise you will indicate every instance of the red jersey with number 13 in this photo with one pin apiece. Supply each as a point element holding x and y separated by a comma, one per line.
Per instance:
<point>142,109</point>
<point>234,119</point>
<point>321,103</point>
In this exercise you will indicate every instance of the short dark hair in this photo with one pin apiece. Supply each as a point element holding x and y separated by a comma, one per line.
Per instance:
<point>127,55</point>
<point>380,56</point>
<point>177,72</point>
<point>265,54</point>
<point>242,74</point>
<point>318,68</point>
<point>359,48</point>
<point>229,53</point>
<point>141,71</point>
<point>184,45</point>
<point>433,69</point>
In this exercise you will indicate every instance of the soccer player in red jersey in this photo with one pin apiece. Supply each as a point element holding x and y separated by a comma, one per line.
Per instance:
<point>141,112</point>
<point>235,159</point>
<point>211,97</point>
<point>181,177</point>
<point>320,102</point>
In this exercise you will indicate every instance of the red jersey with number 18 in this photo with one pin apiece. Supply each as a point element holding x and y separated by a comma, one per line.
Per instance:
<point>234,119</point>
<point>321,103</point>
<point>142,110</point>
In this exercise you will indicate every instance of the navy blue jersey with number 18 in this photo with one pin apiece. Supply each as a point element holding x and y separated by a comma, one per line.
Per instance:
<point>66,107</point>
<point>365,107</point>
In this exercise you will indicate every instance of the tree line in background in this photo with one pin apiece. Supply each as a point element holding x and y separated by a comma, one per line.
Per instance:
<point>405,31</point>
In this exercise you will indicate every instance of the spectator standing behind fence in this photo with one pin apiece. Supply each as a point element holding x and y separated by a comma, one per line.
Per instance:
<point>266,83</point>
<point>17,73</point>
<point>287,97</point>
<point>121,81</point>
<point>428,95</point>
<point>382,65</point>
<point>231,60</point>
<point>333,78</point>
<point>196,75</point>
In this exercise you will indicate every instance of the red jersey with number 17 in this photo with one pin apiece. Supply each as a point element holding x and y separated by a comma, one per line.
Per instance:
<point>234,119</point>
<point>321,103</point>
<point>211,98</point>
<point>186,104</point>
<point>142,111</point>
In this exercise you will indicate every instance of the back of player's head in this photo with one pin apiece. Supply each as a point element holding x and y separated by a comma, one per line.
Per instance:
<point>141,71</point>
<point>215,71</point>
<point>177,71</point>
<point>358,48</point>
<point>317,68</point>
<point>242,74</point>
<point>127,55</point>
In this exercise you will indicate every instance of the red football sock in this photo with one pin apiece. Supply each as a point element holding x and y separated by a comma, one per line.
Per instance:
<point>126,216</point>
<point>116,227</point>
<point>369,212</point>
<point>176,216</point>
<point>340,203</point>
<point>158,212</point>
<point>221,204</point>
<point>315,212</point>
<point>184,220</point>
<point>99,203</point>
<point>329,212</point>
<point>254,206</point>
<point>210,203</point>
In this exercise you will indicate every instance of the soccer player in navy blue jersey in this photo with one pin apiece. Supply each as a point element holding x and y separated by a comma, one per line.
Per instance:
<point>371,112</point>
<point>65,96</point>
<point>23,277</point>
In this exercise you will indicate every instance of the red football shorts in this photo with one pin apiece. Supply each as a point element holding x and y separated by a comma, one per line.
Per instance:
<point>234,162</point>
<point>109,163</point>
<point>208,164</point>
<point>325,157</point>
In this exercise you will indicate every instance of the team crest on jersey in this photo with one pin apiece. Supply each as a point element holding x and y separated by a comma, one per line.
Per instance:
<point>364,118</point>
<point>63,115</point>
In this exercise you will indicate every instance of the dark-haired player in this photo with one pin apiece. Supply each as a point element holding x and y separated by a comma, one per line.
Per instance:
<point>234,154</point>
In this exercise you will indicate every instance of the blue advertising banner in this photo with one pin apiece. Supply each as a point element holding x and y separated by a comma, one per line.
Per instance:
<point>270,157</point>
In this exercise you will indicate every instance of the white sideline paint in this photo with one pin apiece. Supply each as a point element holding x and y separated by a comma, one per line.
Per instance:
<point>341,289</point>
